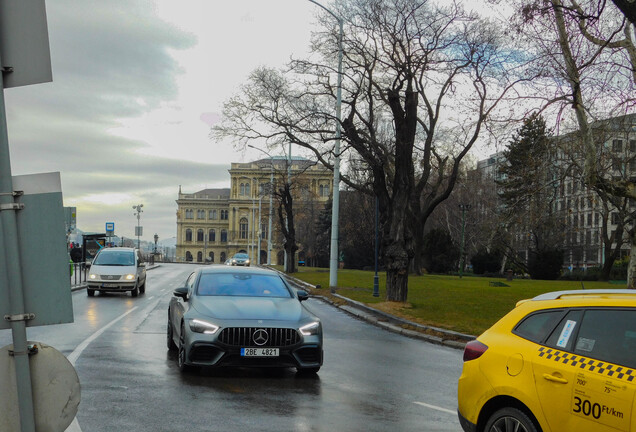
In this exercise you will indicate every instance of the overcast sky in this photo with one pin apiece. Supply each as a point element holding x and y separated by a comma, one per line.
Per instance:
<point>136,86</point>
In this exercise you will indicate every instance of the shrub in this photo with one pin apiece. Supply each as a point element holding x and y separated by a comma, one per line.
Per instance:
<point>486,262</point>
<point>545,264</point>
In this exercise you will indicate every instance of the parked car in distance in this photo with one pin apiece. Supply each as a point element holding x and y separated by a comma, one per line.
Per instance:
<point>240,259</point>
<point>118,269</point>
<point>562,361</point>
<point>242,317</point>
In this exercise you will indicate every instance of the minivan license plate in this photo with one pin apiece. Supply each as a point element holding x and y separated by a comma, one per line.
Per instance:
<point>259,352</point>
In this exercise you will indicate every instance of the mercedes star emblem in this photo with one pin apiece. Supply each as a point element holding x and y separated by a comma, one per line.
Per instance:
<point>260,337</point>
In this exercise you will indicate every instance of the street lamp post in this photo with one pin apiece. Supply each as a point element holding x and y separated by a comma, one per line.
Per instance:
<point>271,194</point>
<point>464,208</point>
<point>137,213</point>
<point>376,281</point>
<point>335,207</point>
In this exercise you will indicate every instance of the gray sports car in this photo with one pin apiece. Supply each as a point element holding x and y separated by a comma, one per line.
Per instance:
<point>242,316</point>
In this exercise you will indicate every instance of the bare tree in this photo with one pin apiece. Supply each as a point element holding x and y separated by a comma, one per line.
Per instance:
<point>587,48</point>
<point>421,81</point>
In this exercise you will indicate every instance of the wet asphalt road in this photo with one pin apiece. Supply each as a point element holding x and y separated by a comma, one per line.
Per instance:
<point>371,380</point>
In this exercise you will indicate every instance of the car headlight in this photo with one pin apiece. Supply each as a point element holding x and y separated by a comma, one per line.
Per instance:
<point>310,329</point>
<point>204,327</point>
<point>129,277</point>
<point>92,276</point>
<point>247,261</point>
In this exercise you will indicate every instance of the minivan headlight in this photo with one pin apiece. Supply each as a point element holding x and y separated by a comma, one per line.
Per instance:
<point>129,277</point>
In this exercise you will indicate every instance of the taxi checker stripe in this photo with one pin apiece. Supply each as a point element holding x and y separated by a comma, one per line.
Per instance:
<point>590,365</point>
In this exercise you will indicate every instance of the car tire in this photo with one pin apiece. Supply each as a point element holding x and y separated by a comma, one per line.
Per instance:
<point>510,419</point>
<point>181,357</point>
<point>135,291</point>
<point>170,338</point>
<point>90,292</point>
<point>142,289</point>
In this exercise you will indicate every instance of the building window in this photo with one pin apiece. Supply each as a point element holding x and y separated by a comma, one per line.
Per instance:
<point>615,218</point>
<point>244,189</point>
<point>243,228</point>
<point>223,236</point>
<point>223,257</point>
<point>188,235</point>
<point>323,190</point>
<point>632,145</point>
<point>617,145</point>
<point>264,227</point>
<point>224,214</point>
<point>200,214</point>
<point>212,235</point>
<point>200,235</point>
<point>188,256</point>
<point>199,256</point>
<point>212,214</point>
<point>189,213</point>
<point>211,257</point>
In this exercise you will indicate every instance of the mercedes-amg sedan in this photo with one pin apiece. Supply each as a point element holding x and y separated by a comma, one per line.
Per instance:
<point>242,317</point>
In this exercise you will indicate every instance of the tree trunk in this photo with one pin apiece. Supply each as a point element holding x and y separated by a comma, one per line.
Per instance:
<point>398,279</point>
<point>397,272</point>
<point>631,268</point>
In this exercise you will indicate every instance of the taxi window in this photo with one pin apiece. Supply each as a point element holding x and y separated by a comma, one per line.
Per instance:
<point>608,335</point>
<point>537,326</point>
<point>563,336</point>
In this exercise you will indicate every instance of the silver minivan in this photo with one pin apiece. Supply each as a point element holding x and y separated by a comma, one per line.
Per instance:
<point>117,269</point>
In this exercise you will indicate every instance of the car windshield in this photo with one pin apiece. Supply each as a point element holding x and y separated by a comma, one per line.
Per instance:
<point>240,256</point>
<point>241,284</point>
<point>115,258</point>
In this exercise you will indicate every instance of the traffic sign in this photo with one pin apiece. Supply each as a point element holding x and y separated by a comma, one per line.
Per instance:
<point>110,227</point>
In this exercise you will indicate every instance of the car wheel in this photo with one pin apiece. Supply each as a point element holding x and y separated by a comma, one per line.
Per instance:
<point>142,289</point>
<point>90,292</point>
<point>181,358</point>
<point>509,420</point>
<point>171,345</point>
<point>135,291</point>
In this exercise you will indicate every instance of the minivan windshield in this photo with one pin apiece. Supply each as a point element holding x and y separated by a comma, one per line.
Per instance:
<point>111,257</point>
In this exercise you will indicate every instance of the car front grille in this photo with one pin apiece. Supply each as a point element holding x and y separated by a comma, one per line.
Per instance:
<point>245,337</point>
<point>110,277</point>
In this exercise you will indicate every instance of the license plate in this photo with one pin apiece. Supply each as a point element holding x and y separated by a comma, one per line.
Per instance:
<point>259,352</point>
<point>107,285</point>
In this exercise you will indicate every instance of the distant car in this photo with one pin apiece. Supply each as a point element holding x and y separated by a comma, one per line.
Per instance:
<point>240,259</point>
<point>116,270</point>
<point>245,317</point>
<point>563,361</point>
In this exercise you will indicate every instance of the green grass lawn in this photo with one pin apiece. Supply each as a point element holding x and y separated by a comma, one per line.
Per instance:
<point>467,305</point>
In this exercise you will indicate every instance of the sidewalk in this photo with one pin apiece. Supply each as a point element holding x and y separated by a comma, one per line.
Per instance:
<point>389,322</point>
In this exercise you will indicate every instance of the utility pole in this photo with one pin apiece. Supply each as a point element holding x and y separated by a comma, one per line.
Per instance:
<point>138,230</point>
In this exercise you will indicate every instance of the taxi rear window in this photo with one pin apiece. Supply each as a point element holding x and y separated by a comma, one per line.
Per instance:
<point>537,326</point>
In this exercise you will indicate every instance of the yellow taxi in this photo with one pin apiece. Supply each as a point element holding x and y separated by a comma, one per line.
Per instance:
<point>562,361</point>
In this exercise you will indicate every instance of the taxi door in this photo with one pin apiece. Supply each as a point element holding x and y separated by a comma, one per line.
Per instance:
<point>579,389</point>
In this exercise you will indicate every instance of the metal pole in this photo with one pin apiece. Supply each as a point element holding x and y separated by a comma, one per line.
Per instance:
<point>376,281</point>
<point>10,262</point>
<point>269,223</point>
<point>289,171</point>
<point>335,207</point>
<point>258,231</point>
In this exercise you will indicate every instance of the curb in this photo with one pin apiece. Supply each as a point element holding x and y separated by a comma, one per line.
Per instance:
<point>390,322</point>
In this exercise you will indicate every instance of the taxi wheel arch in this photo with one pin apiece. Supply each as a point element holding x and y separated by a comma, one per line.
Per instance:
<point>500,402</point>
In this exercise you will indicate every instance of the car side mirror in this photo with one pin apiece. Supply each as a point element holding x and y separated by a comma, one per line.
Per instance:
<point>181,292</point>
<point>302,295</point>
<point>87,265</point>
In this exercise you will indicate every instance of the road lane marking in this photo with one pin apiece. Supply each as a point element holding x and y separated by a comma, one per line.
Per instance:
<point>75,427</point>
<point>81,347</point>
<point>435,408</point>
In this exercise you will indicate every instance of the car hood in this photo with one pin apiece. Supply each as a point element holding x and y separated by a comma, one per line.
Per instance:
<point>112,270</point>
<point>248,308</point>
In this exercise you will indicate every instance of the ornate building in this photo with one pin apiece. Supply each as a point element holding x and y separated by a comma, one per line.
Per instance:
<point>214,224</point>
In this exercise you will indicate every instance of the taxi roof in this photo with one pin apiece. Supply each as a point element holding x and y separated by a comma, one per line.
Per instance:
<point>586,294</point>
